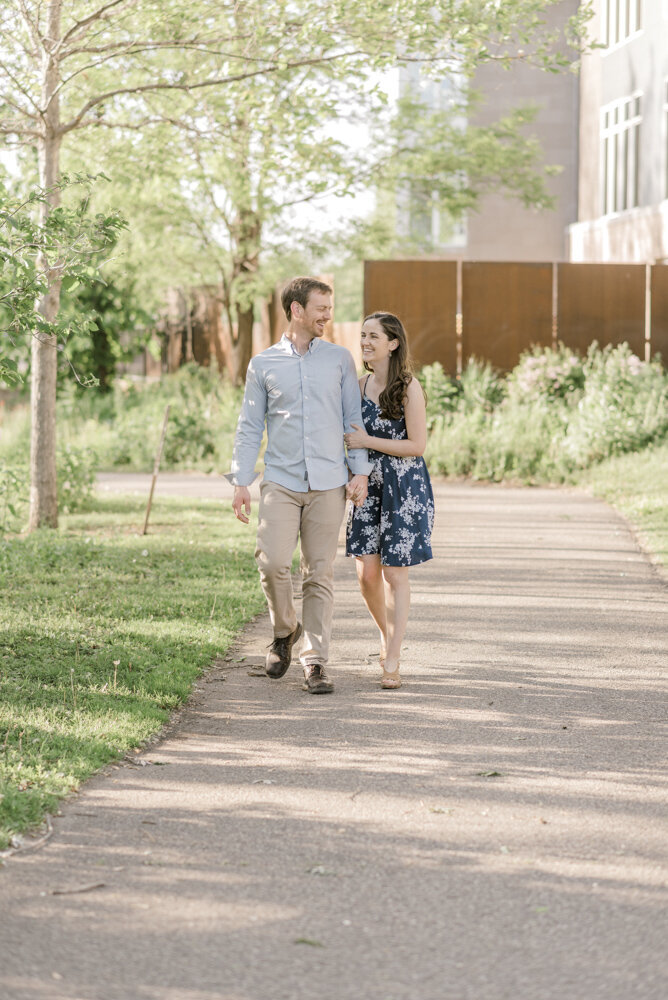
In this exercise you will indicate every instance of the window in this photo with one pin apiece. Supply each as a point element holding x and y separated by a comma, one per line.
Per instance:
<point>620,153</point>
<point>620,20</point>
<point>430,227</point>
<point>425,221</point>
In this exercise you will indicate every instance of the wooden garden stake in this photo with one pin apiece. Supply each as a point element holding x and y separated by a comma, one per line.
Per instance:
<point>156,466</point>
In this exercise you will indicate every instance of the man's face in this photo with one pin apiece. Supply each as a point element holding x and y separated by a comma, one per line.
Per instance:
<point>317,313</point>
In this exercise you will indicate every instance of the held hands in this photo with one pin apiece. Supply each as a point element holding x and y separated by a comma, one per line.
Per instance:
<point>357,438</point>
<point>356,489</point>
<point>241,499</point>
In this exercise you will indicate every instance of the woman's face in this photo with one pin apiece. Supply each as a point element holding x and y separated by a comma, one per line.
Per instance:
<point>376,345</point>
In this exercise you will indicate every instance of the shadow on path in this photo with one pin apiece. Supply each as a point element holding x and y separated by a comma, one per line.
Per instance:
<point>496,829</point>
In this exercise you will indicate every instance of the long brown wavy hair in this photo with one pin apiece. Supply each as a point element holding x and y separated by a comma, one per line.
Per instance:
<point>400,371</point>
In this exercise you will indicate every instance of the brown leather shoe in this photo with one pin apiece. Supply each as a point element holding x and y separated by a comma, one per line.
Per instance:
<point>280,654</point>
<point>316,680</point>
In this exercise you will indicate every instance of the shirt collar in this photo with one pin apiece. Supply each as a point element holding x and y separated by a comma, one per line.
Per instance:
<point>286,344</point>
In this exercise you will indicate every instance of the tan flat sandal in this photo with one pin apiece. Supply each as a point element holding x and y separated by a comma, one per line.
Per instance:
<point>390,681</point>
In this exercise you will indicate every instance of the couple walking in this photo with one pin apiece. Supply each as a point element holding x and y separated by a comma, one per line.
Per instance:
<point>307,393</point>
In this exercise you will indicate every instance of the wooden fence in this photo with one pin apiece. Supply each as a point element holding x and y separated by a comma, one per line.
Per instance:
<point>455,310</point>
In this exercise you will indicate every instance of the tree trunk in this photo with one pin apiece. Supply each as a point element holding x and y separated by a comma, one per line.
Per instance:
<point>43,487</point>
<point>242,350</point>
<point>238,343</point>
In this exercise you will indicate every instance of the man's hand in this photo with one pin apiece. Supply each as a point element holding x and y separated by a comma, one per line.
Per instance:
<point>242,499</point>
<point>357,489</point>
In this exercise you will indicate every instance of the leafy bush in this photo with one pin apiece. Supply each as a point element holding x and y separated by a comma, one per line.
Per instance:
<point>623,407</point>
<point>96,350</point>
<point>481,387</point>
<point>554,414</point>
<point>14,492</point>
<point>125,425</point>
<point>76,468</point>
<point>442,392</point>
<point>544,373</point>
<point>14,432</point>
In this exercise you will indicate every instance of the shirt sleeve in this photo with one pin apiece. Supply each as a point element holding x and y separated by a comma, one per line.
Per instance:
<point>358,459</point>
<point>250,428</point>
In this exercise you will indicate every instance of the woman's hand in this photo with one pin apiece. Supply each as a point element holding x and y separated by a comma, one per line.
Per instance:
<point>357,438</point>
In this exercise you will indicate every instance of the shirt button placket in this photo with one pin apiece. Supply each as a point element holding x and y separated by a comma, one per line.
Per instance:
<point>305,408</point>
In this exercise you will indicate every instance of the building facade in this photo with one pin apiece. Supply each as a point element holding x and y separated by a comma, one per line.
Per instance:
<point>623,155</point>
<point>502,228</point>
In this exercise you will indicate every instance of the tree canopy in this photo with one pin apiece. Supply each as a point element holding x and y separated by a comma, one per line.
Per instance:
<point>251,88</point>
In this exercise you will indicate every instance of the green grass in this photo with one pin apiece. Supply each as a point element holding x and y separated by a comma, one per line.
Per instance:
<point>637,485</point>
<point>102,633</point>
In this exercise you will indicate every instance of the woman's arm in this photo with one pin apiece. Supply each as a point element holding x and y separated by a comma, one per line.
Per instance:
<point>416,428</point>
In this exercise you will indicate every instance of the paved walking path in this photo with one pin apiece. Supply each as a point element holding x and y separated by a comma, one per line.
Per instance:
<point>496,830</point>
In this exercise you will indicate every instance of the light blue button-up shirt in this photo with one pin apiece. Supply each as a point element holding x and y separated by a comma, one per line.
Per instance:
<point>307,402</point>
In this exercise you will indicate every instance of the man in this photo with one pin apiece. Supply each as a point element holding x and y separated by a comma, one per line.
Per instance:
<point>306,391</point>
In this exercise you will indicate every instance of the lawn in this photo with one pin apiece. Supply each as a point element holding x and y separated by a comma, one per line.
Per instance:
<point>102,632</point>
<point>637,486</point>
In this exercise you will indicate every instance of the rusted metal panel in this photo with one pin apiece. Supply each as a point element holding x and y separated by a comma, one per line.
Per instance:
<point>506,308</point>
<point>659,326</point>
<point>601,302</point>
<point>423,294</point>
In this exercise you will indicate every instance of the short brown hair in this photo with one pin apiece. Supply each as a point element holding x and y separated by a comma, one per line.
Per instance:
<point>298,290</point>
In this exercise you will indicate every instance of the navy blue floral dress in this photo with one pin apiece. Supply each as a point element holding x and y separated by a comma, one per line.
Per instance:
<point>397,517</point>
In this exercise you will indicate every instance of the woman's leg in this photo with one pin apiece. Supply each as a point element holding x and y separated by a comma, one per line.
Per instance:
<point>370,579</point>
<point>397,603</point>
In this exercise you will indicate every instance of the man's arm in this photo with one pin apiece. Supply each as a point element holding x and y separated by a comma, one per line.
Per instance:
<point>247,441</point>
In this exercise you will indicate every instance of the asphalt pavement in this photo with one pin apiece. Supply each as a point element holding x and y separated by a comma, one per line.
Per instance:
<point>495,830</point>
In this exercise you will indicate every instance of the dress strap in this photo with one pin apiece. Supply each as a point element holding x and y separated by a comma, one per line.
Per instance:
<point>365,382</point>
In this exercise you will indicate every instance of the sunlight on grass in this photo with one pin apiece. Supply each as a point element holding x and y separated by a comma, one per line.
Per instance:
<point>102,634</point>
<point>637,485</point>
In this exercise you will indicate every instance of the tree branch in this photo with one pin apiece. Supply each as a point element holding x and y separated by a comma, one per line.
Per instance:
<point>187,87</point>
<point>121,48</point>
<point>33,29</point>
<point>19,130</point>
<point>26,93</point>
<point>78,29</point>
<point>11,103</point>
<point>116,51</point>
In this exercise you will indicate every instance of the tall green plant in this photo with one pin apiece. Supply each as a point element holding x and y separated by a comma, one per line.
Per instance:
<point>121,326</point>
<point>71,242</point>
<point>555,414</point>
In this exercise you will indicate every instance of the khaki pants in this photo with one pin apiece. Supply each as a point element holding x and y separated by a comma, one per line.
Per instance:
<point>315,519</point>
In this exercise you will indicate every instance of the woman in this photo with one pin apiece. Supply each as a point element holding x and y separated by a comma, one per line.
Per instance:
<point>392,529</point>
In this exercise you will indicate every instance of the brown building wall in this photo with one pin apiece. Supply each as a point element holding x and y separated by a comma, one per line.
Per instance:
<point>502,229</point>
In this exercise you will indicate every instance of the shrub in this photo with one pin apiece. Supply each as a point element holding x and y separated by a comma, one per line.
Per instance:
<point>442,391</point>
<point>125,425</point>
<point>546,373</point>
<point>453,443</point>
<point>77,468</point>
<point>14,492</point>
<point>623,407</point>
<point>554,414</point>
<point>480,386</point>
